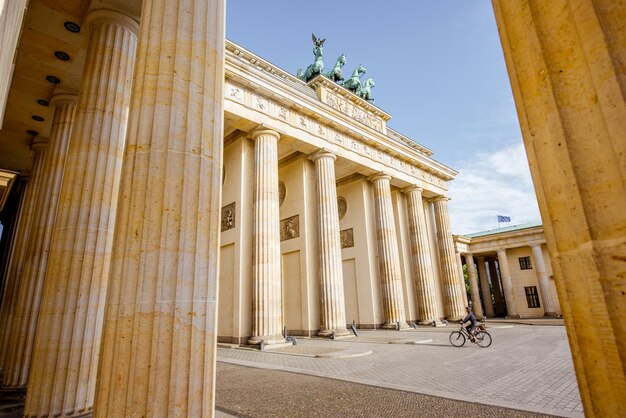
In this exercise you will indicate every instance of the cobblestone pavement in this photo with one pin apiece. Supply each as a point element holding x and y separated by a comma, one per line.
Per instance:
<point>250,392</point>
<point>526,367</point>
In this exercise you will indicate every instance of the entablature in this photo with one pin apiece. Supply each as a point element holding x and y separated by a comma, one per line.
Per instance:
<point>502,241</point>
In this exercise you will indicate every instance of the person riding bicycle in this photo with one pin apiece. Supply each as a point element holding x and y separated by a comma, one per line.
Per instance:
<point>471,328</point>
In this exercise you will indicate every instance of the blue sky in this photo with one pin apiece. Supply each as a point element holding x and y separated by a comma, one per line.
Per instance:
<point>439,72</point>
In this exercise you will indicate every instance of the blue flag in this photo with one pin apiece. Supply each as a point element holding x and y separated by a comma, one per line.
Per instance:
<point>504,218</point>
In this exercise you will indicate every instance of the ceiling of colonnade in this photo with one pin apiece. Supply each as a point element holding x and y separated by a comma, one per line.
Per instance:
<point>49,59</point>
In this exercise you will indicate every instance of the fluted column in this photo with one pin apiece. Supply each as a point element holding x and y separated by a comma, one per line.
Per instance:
<point>544,284</point>
<point>451,282</point>
<point>461,276</point>
<point>500,304</point>
<point>427,307</point>
<point>484,285</point>
<point>267,321</point>
<point>11,16</point>
<point>388,255</point>
<point>332,309</point>
<point>158,349</point>
<point>31,280</point>
<point>567,66</point>
<point>65,356</point>
<point>505,274</point>
<point>477,306</point>
<point>26,218</point>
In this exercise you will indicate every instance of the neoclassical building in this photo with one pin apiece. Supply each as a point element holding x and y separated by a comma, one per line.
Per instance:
<point>509,272</point>
<point>350,215</point>
<point>122,120</point>
<point>268,205</point>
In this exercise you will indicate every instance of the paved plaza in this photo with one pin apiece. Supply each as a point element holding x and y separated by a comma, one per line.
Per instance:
<point>528,367</point>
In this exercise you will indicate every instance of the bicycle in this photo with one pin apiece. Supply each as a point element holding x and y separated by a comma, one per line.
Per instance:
<point>482,337</point>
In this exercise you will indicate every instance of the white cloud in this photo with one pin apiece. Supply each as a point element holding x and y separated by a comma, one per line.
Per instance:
<point>492,184</point>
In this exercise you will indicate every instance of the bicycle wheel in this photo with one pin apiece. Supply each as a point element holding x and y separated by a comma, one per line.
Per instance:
<point>457,338</point>
<point>483,339</point>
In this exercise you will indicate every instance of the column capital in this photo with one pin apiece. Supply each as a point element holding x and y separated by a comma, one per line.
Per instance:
<point>264,132</point>
<point>535,244</point>
<point>322,153</point>
<point>440,198</point>
<point>412,188</point>
<point>63,98</point>
<point>379,176</point>
<point>100,16</point>
<point>39,144</point>
<point>501,250</point>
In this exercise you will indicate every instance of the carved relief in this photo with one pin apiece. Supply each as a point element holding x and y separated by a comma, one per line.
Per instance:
<point>261,103</point>
<point>342,207</point>
<point>282,192</point>
<point>289,228</point>
<point>228,217</point>
<point>358,114</point>
<point>236,93</point>
<point>347,238</point>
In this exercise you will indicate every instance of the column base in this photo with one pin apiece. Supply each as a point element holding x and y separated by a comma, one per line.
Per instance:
<point>512,316</point>
<point>431,322</point>
<point>339,332</point>
<point>267,340</point>
<point>454,318</point>
<point>394,325</point>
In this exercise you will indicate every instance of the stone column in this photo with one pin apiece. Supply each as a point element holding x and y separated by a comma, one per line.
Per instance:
<point>427,307</point>
<point>544,284</point>
<point>66,351</point>
<point>388,256</point>
<point>26,218</point>
<point>461,276</point>
<point>11,17</point>
<point>158,349</point>
<point>31,279</point>
<point>567,66</point>
<point>332,309</point>
<point>477,306</point>
<point>484,285</point>
<point>452,291</point>
<point>497,290</point>
<point>505,274</point>
<point>267,318</point>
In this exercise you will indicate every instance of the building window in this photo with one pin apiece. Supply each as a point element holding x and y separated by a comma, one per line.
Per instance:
<point>524,263</point>
<point>532,297</point>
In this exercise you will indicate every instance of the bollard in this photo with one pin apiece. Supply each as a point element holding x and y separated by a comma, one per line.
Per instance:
<point>262,345</point>
<point>333,336</point>
<point>354,330</point>
<point>398,325</point>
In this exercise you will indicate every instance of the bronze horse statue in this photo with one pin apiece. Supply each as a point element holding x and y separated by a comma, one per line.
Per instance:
<point>354,83</point>
<point>336,74</point>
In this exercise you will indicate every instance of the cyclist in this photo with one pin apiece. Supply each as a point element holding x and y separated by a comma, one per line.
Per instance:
<point>471,328</point>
